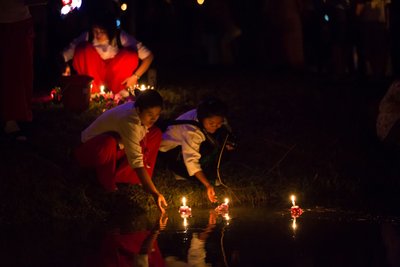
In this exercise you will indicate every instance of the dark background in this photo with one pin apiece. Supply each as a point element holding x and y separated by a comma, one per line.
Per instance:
<point>257,34</point>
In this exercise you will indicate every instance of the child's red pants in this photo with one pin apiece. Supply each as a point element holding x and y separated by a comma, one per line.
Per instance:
<point>110,162</point>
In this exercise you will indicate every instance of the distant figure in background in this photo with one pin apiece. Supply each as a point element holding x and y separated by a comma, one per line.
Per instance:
<point>16,66</point>
<point>122,145</point>
<point>189,148</point>
<point>373,21</point>
<point>388,121</point>
<point>112,57</point>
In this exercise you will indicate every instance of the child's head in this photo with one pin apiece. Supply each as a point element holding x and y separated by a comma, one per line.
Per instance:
<point>211,113</point>
<point>103,27</point>
<point>148,105</point>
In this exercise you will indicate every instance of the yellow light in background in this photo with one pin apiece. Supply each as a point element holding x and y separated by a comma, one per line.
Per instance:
<point>200,2</point>
<point>124,6</point>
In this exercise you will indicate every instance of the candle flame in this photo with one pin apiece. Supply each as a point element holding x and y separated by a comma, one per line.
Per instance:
<point>102,87</point>
<point>124,7</point>
<point>200,2</point>
<point>226,201</point>
<point>293,198</point>
<point>184,201</point>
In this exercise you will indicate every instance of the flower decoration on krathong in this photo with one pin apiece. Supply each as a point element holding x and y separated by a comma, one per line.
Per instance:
<point>223,208</point>
<point>184,210</point>
<point>295,211</point>
<point>105,97</point>
<point>56,95</point>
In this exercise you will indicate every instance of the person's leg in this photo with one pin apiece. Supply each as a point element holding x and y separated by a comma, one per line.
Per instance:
<point>119,68</point>
<point>174,162</point>
<point>87,61</point>
<point>150,145</point>
<point>100,153</point>
<point>209,155</point>
<point>16,73</point>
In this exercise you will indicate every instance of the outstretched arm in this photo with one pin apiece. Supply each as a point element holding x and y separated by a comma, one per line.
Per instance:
<point>210,189</point>
<point>144,65</point>
<point>149,186</point>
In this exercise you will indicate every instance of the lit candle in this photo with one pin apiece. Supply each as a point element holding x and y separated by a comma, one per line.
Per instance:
<point>143,87</point>
<point>102,88</point>
<point>184,210</point>
<point>295,211</point>
<point>223,208</point>
<point>293,200</point>
<point>226,201</point>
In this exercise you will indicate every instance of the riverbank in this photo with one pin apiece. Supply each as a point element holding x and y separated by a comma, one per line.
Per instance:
<point>304,134</point>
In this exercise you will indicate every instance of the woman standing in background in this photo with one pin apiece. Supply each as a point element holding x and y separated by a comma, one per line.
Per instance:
<point>16,66</point>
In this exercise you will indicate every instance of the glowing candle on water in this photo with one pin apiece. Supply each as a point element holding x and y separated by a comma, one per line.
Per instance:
<point>226,201</point>
<point>184,210</point>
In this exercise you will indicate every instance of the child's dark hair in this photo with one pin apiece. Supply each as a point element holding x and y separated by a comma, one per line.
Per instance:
<point>105,21</point>
<point>211,106</point>
<point>148,99</point>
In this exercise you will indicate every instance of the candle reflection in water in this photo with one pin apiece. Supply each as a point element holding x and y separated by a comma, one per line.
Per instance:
<point>185,222</point>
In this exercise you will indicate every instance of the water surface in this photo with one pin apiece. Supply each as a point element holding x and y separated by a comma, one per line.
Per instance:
<point>243,237</point>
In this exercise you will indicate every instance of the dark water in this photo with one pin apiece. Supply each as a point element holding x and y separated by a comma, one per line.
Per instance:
<point>247,237</point>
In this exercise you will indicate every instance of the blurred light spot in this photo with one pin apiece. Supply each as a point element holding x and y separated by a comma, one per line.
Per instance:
<point>65,10</point>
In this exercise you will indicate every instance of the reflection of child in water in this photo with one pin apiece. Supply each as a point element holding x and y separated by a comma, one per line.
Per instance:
<point>197,251</point>
<point>126,247</point>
